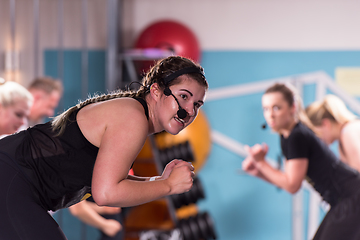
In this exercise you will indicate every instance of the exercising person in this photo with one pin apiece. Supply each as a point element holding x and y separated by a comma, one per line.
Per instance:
<point>333,121</point>
<point>15,105</point>
<point>47,93</point>
<point>89,149</point>
<point>307,157</point>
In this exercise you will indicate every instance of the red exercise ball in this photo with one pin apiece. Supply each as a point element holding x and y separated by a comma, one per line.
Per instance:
<point>170,35</point>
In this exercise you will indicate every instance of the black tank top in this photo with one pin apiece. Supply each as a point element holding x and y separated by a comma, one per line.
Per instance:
<point>60,168</point>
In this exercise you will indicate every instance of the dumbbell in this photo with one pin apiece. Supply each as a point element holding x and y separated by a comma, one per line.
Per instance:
<point>181,151</point>
<point>197,227</point>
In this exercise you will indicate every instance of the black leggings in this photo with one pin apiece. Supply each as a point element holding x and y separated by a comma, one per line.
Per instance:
<point>342,221</point>
<point>21,216</point>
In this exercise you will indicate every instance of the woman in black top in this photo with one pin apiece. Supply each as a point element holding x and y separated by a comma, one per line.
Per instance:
<point>307,157</point>
<point>89,149</point>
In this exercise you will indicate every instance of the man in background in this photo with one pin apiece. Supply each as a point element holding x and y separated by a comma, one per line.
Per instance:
<point>47,93</point>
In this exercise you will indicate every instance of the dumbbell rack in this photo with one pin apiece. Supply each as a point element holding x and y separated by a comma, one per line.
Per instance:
<point>159,168</point>
<point>167,218</point>
<point>195,227</point>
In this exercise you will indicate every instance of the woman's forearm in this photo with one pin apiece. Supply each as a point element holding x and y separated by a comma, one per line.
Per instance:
<point>275,177</point>
<point>86,213</point>
<point>129,193</point>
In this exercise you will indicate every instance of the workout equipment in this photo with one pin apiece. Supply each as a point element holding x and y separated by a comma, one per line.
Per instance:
<point>181,151</point>
<point>197,227</point>
<point>174,234</point>
<point>146,151</point>
<point>187,210</point>
<point>169,35</point>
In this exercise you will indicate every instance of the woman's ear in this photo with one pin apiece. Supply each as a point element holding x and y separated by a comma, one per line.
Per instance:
<point>326,122</point>
<point>155,91</point>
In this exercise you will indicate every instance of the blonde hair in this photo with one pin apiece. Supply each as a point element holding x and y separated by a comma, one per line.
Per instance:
<point>11,92</point>
<point>332,108</point>
<point>292,96</point>
<point>156,74</point>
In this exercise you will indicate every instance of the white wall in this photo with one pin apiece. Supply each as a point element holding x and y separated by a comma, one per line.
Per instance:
<point>219,25</point>
<point>49,30</point>
<point>255,24</point>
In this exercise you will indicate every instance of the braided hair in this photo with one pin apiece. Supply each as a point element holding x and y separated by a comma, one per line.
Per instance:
<point>156,74</point>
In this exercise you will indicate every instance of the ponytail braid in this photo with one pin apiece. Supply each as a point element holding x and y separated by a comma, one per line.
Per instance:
<point>156,74</point>
<point>59,122</point>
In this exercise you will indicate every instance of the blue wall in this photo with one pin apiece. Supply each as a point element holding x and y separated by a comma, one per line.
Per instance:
<point>241,206</point>
<point>72,74</point>
<point>244,207</point>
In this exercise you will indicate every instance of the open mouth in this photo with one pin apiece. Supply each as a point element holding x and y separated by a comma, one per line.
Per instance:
<point>271,124</point>
<point>179,120</point>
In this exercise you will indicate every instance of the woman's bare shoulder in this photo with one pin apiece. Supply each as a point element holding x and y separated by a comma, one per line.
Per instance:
<point>95,118</point>
<point>351,127</point>
<point>107,109</point>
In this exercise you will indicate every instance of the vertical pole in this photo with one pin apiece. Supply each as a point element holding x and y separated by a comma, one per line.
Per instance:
<point>320,89</point>
<point>297,212</point>
<point>84,74</point>
<point>36,37</point>
<point>61,45</point>
<point>159,168</point>
<point>60,39</point>
<point>60,67</point>
<point>314,213</point>
<point>112,63</point>
<point>84,52</point>
<point>12,34</point>
<point>298,216</point>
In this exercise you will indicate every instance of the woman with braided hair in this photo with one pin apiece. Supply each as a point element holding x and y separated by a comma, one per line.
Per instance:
<point>89,149</point>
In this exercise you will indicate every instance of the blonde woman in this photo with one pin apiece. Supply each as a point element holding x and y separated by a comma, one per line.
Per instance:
<point>89,149</point>
<point>15,105</point>
<point>334,121</point>
<point>307,157</point>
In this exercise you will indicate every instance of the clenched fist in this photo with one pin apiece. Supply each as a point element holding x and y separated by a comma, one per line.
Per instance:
<point>179,175</point>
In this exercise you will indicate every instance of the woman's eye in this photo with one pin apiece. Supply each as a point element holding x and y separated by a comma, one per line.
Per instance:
<point>276,108</point>
<point>183,96</point>
<point>19,115</point>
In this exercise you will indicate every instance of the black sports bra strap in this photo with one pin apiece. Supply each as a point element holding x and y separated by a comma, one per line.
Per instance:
<point>143,102</point>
